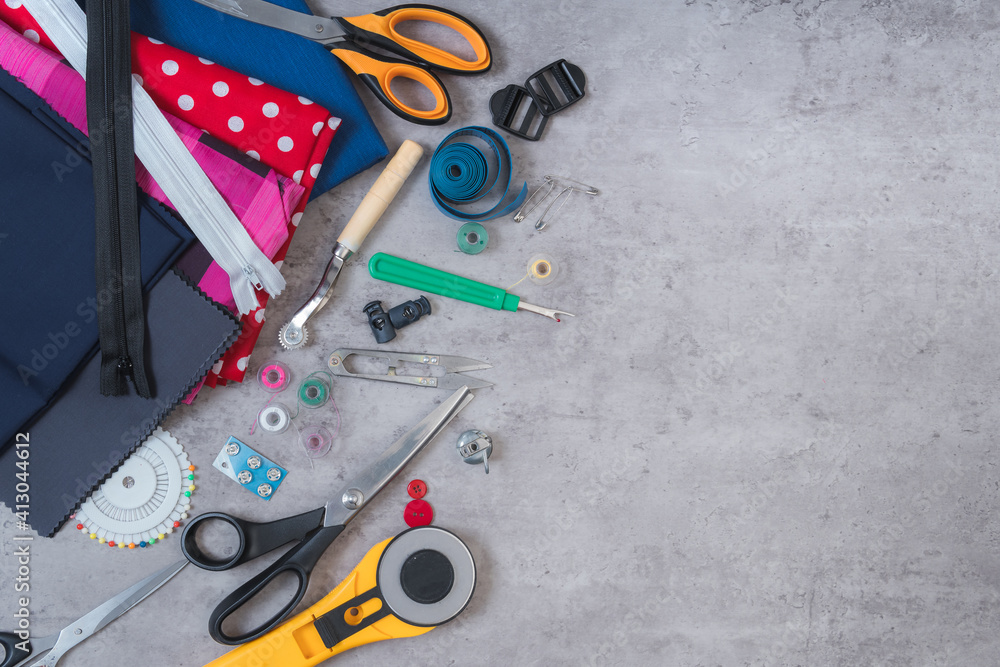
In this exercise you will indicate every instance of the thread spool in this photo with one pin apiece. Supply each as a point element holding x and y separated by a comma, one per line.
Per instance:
<point>542,270</point>
<point>472,238</point>
<point>314,392</point>
<point>274,418</point>
<point>316,441</point>
<point>274,376</point>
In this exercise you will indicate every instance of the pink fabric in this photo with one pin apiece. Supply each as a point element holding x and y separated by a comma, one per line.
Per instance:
<point>189,399</point>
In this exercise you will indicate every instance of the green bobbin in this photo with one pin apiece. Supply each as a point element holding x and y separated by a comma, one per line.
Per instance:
<point>472,238</point>
<point>313,393</point>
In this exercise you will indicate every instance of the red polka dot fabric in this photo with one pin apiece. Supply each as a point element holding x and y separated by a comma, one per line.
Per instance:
<point>276,127</point>
<point>13,13</point>
<point>287,132</point>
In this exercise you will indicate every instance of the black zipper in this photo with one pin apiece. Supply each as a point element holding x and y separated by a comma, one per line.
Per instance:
<point>109,108</point>
<point>120,348</point>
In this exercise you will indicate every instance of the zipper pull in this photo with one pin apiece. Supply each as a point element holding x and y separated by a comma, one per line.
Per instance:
<point>125,367</point>
<point>252,277</point>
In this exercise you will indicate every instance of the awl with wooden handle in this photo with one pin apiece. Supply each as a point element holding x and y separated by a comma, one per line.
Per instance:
<point>294,334</point>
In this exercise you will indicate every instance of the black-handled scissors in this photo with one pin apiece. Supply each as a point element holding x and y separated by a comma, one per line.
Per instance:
<point>347,38</point>
<point>316,529</point>
<point>46,651</point>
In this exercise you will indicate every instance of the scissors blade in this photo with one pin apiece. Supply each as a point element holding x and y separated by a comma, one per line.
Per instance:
<point>359,492</point>
<point>463,364</point>
<point>454,381</point>
<point>310,26</point>
<point>90,623</point>
<point>452,366</point>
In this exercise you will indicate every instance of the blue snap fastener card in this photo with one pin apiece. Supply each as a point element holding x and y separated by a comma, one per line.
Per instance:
<point>253,471</point>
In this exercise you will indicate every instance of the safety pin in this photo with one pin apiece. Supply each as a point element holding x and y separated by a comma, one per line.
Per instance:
<point>551,181</point>
<point>587,190</point>
<point>520,215</point>
<point>540,225</point>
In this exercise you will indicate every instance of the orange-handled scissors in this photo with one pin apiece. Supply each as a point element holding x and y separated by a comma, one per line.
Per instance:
<point>348,39</point>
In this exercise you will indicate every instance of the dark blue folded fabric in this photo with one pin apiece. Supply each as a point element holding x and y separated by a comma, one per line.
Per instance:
<point>47,254</point>
<point>82,437</point>
<point>279,58</point>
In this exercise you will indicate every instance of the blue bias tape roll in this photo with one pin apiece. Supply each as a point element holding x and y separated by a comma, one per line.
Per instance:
<point>462,173</point>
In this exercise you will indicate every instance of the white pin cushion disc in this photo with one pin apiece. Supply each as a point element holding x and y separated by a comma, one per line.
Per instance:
<point>419,555</point>
<point>141,502</point>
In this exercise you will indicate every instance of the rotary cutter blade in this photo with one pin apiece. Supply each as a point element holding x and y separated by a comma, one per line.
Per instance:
<point>427,576</point>
<point>404,586</point>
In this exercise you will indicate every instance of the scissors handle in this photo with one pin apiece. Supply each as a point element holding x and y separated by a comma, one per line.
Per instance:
<point>256,539</point>
<point>11,653</point>
<point>379,29</point>
<point>300,560</point>
<point>377,72</point>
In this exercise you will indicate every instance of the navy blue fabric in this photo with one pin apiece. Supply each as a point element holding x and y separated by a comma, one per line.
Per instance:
<point>47,253</point>
<point>281,59</point>
<point>82,437</point>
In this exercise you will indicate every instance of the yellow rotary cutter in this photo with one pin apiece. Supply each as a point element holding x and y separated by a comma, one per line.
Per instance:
<point>403,587</point>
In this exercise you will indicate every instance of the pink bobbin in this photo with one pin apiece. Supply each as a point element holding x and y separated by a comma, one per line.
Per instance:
<point>316,440</point>
<point>273,376</point>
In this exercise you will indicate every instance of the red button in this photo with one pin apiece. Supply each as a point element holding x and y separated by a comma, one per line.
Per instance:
<point>417,488</point>
<point>418,513</point>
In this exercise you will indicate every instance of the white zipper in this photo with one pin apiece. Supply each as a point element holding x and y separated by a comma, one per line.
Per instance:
<point>173,168</point>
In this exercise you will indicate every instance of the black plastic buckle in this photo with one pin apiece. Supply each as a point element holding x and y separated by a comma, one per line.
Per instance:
<point>524,110</point>
<point>515,102</point>
<point>557,86</point>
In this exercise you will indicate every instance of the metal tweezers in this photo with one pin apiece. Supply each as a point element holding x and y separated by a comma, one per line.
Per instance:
<point>453,366</point>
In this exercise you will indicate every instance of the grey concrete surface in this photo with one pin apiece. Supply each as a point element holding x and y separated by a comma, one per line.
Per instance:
<point>768,438</point>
